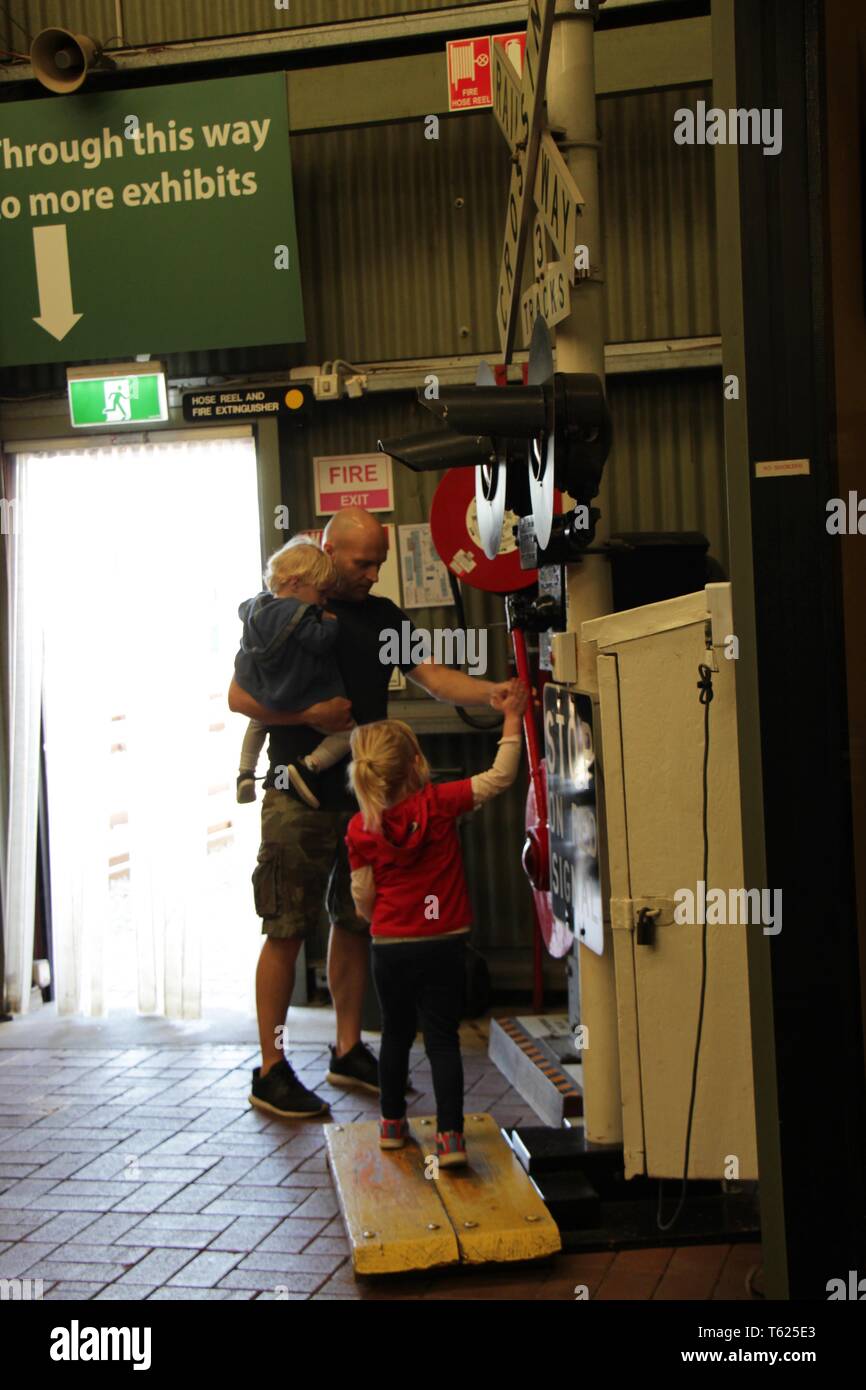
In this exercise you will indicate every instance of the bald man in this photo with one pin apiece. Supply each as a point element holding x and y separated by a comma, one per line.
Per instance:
<point>302,859</point>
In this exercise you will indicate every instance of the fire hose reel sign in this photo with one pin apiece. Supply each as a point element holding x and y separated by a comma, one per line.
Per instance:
<point>575,887</point>
<point>457,538</point>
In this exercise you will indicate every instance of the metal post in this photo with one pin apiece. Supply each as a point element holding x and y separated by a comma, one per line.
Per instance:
<point>580,348</point>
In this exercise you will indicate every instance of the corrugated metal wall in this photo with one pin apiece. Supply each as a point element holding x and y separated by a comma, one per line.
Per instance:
<point>658,210</point>
<point>400,235</point>
<point>399,239</point>
<point>665,471</point>
<point>353,427</point>
<point>166,21</point>
<point>494,838</point>
<point>666,467</point>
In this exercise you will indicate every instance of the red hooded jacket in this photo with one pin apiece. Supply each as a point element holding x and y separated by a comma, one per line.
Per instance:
<point>416,861</point>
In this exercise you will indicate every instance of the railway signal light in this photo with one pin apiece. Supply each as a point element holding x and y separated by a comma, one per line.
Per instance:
<point>522,441</point>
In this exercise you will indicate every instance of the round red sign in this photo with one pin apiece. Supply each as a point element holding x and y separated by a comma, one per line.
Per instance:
<point>454,527</point>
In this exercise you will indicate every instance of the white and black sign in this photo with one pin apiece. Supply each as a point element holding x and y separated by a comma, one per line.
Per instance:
<point>575,888</point>
<point>549,582</point>
<point>215,405</point>
<point>558,200</point>
<point>550,297</point>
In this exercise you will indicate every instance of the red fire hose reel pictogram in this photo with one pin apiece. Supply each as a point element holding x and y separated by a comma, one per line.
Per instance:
<point>457,538</point>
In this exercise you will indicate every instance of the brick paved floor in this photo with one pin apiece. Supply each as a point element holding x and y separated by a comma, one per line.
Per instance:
<point>143,1173</point>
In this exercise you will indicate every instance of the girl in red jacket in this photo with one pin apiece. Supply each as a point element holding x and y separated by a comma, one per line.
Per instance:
<point>408,882</point>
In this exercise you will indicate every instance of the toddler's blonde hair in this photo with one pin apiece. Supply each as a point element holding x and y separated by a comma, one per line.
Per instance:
<point>383,769</point>
<point>302,559</point>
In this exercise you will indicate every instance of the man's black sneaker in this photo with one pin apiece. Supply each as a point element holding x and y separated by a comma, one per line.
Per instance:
<point>359,1067</point>
<point>281,1093</point>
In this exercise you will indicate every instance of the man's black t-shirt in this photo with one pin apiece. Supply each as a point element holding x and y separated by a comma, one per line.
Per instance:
<point>359,641</point>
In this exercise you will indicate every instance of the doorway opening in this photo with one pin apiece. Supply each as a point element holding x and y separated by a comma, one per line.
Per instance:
<point>141,553</point>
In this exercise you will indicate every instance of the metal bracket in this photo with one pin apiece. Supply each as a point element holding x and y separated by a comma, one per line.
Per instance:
<point>579,144</point>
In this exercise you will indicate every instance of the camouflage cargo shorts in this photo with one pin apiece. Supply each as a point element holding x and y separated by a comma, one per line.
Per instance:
<point>302,863</point>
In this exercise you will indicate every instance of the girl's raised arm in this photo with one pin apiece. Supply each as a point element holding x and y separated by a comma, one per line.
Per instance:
<point>504,770</point>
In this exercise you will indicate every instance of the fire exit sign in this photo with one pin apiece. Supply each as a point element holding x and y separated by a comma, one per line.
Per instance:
<point>353,480</point>
<point>121,395</point>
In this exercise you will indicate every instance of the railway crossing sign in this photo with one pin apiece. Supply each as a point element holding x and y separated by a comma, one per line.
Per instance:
<point>548,296</point>
<point>558,200</point>
<point>539,174</point>
<point>525,154</point>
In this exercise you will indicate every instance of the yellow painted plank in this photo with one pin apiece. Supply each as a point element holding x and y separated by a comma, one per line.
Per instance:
<point>495,1211</point>
<point>384,1193</point>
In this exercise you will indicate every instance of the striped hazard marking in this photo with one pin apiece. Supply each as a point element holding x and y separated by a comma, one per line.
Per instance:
<point>554,1074</point>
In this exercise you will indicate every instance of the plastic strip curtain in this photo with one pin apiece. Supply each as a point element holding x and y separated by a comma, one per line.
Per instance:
<point>23,658</point>
<point>128,623</point>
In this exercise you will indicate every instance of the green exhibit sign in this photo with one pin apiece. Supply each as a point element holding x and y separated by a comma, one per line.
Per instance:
<point>149,220</point>
<point>117,395</point>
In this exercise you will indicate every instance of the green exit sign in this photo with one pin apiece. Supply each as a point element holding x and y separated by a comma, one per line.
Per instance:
<point>126,394</point>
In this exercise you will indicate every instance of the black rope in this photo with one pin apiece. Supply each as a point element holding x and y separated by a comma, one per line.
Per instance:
<point>705,686</point>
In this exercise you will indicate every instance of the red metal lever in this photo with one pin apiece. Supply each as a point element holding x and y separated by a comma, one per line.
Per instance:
<point>535,857</point>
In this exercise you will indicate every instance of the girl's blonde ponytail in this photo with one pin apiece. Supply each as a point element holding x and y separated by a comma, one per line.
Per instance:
<point>387,765</point>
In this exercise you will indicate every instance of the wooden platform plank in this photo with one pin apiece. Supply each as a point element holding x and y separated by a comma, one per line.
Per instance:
<point>495,1211</point>
<point>384,1192</point>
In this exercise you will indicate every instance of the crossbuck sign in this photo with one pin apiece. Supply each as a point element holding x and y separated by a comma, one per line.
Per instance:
<point>518,107</point>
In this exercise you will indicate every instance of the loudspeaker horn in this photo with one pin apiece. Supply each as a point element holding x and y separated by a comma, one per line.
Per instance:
<point>61,60</point>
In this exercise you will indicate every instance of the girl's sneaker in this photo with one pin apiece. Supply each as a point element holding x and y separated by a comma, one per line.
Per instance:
<point>393,1133</point>
<point>451,1148</point>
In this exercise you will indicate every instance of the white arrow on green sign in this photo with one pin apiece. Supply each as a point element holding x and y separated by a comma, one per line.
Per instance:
<point>148,220</point>
<point>54,281</point>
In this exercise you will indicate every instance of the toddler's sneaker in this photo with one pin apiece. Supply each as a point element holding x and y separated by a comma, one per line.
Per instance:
<point>393,1133</point>
<point>451,1148</point>
<point>246,787</point>
<point>303,784</point>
